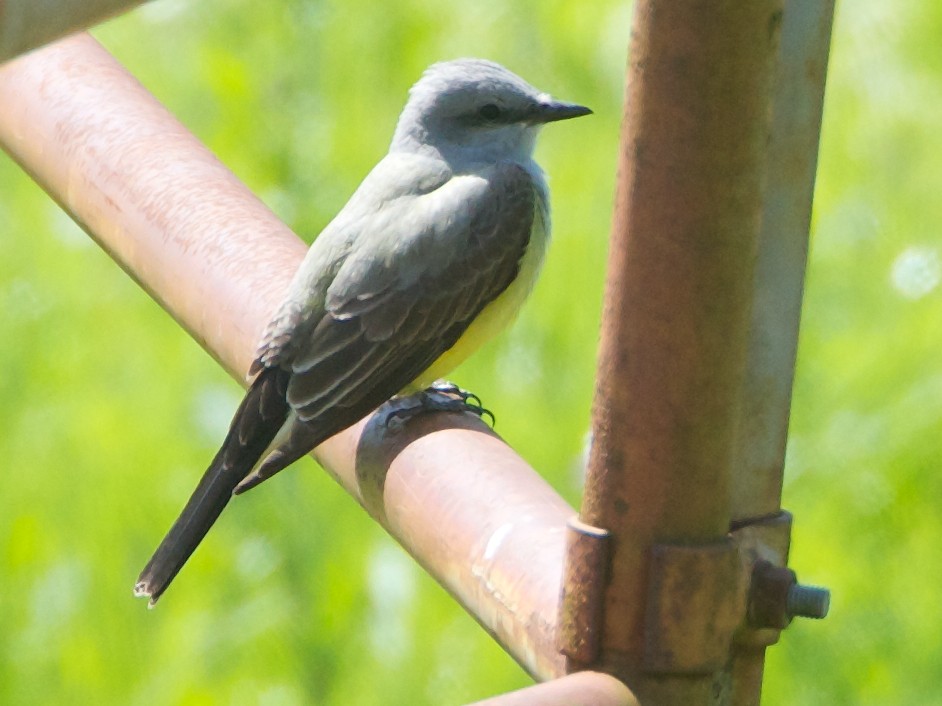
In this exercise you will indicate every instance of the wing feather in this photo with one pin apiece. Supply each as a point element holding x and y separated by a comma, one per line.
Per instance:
<point>390,318</point>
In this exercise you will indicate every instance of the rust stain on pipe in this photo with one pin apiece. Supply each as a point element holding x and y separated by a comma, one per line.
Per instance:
<point>472,511</point>
<point>588,550</point>
<point>695,602</point>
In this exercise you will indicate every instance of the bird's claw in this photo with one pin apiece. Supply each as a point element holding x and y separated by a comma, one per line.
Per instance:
<point>440,396</point>
<point>471,402</point>
<point>468,397</point>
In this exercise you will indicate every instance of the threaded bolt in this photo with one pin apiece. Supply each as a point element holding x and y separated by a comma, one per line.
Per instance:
<point>807,601</point>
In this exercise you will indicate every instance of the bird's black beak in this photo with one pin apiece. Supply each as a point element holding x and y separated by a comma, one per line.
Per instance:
<point>550,111</point>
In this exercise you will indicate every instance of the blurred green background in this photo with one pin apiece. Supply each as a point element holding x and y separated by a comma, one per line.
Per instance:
<point>109,412</point>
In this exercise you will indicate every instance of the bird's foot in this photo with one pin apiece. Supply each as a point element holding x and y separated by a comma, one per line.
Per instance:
<point>440,396</point>
<point>454,398</point>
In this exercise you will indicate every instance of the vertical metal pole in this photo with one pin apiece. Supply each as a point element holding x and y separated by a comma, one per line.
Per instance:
<point>676,319</point>
<point>759,459</point>
<point>783,249</point>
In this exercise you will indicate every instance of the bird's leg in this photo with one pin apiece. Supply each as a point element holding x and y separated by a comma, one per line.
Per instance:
<point>440,396</point>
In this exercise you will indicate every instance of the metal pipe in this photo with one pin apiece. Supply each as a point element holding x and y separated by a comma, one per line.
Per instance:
<point>472,512</point>
<point>676,317</point>
<point>159,202</point>
<point>783,249</point>
<point>759,460</point>
<point>27,24</point>
<point>579,689</point>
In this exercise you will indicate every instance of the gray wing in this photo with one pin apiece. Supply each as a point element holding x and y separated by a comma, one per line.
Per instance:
<point>402,298</point>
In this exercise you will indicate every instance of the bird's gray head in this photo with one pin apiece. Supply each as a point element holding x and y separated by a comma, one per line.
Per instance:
<point>476,110</point>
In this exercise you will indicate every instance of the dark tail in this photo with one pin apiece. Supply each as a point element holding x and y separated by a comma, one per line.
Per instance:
<point>254,426</point>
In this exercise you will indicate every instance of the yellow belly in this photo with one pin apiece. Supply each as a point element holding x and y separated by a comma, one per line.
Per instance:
<point>496,316</point>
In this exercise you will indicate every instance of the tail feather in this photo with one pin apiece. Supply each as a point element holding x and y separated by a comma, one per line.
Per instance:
<point>262,413</point>
<point>300,441</point>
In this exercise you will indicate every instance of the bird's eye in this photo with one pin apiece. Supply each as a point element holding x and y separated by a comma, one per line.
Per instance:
<point>489,112</point>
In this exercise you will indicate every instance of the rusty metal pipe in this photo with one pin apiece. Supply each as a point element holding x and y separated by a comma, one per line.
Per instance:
<point>677,307</point>
<point>159,202</point>
<point>783,249</point>
<point>27,24</point>
<point>472,512</point>
<point>580,689</point>
<point>759,460</point>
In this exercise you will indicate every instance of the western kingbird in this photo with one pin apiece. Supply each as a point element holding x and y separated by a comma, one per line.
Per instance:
<point>432,255</point>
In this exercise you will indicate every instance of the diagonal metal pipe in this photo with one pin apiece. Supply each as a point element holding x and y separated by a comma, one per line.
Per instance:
<point>473,513</point>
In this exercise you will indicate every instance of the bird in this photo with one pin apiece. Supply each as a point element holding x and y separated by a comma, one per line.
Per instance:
<point>433,254</point>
